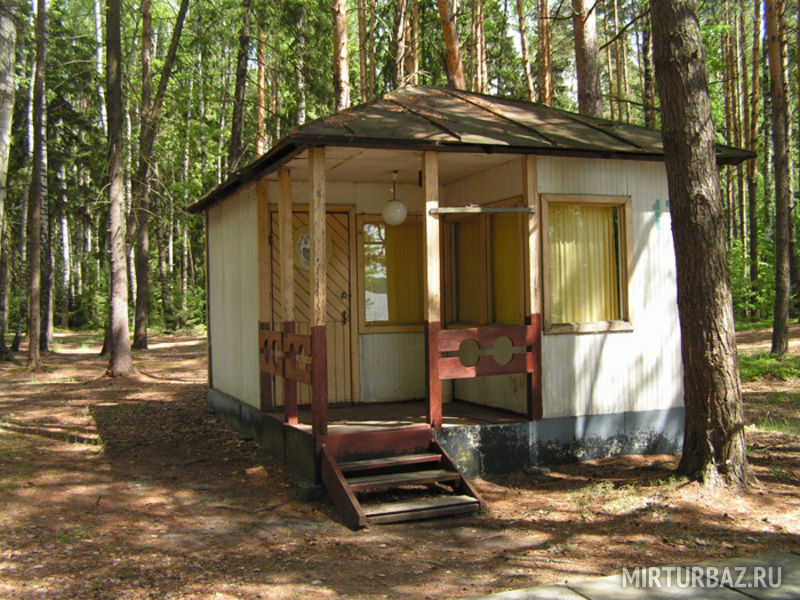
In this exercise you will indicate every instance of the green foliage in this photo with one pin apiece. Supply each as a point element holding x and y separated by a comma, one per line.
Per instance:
<point>757,366</point>
<point>751,299</point>
<point>788,425</point>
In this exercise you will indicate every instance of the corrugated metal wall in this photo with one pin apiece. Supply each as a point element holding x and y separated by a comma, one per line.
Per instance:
<point>233,290</point>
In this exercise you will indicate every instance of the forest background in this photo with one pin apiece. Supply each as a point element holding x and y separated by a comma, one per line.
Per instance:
<point>209,85</point>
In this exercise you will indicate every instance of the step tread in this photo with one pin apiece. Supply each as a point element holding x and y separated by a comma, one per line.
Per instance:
<point>388,462</point>
<point>419,506</point>
<point>388,480</point>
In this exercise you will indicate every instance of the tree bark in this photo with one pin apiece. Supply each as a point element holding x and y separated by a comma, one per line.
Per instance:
<point>455,68</point>
<point>98,36</point>
<point>400,36</point>
<point>341,64</point>
<point>299,70</point>
<point>237,121</point>
<point>780,157</point>
<point>149,122</point>
<point>526,61</point>
<point>362,51</point>
<point>121,364</point>
<point>37,191</point>
<point>713,449</point>
<point>261,98</point>
<point>587,58</point>
<point>8,40</point>
<point>752,165</point>
<point>66,258</point>
<point>545,70</point>
<point>48,282</point>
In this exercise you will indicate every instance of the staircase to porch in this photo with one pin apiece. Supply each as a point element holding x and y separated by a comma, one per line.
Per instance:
<point>393,475</point>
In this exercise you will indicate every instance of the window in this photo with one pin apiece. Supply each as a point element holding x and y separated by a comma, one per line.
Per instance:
<point>586,253</point>
<point>391,273</point>
<point>484,273</point>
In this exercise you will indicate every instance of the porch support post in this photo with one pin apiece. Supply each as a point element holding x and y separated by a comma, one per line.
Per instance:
<point>319,354</point>
<point>287,282</point>
<point>433,284</point>
<point>530,193</point>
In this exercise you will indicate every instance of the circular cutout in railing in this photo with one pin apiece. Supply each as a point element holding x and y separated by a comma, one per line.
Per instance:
<point>503,350</point>
<point>469,352</point>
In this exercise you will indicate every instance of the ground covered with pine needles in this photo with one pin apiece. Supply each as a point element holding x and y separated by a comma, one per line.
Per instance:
<point>130,489</point>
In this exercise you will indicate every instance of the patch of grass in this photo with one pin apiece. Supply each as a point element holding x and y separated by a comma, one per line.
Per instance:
<point>70,536</point>
<point>757,366</point>
<point>784,475</point>
<point>789,425</point>
<point>749,325</point>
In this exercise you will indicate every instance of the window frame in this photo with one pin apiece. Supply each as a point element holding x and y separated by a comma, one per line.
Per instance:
<point>448,266</point>
<point>365,326</point>
<point>625,263</point>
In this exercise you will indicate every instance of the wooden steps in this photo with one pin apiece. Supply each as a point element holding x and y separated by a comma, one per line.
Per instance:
<point>402,478</point>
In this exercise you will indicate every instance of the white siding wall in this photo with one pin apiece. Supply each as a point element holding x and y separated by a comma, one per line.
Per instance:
<point>233,290</point>
<point>603,373</point>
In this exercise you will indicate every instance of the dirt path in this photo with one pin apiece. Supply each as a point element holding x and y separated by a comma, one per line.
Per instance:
<point>133,489</point>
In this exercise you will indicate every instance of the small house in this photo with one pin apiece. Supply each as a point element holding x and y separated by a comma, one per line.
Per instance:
<point>439,285</point>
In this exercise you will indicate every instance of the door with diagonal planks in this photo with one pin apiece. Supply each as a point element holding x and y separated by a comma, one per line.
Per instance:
<point>339,313</point>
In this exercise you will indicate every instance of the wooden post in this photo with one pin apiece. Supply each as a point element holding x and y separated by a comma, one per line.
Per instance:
<point>433,285</point>
<point>319,362</point>
<point>287,282</point>
<point>530,197</point>
<point>264,284</point>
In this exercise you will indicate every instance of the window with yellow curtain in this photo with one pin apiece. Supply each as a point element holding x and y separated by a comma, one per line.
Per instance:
<point>584,243</point>
<point>393,273</point>
<point>484,270</point>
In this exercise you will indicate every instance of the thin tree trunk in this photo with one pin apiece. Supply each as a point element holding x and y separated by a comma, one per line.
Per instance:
<point>37,190</point>
<point>780,141</point>
<point>371,56</point>
<point>237,121</point>
<point>98,36</point>
<point>609,66</point>
<point>149,122</point>
<point>121,362</point>
<point>261,106</point>
<point>363,79</point>
<point>545,70</point>
<point>455,68</point>
<point>163,275</point>
<point>618,63</point>
<point>648,97</point>
<point>526,61</point>
<point>587,58</point>
<point>713,449</point>
<point>8,39</point>
<point>752,165</point>
<point>66,258</point>
<point>300,68</point>
<point>401,26</point>
<point>412,46</point>
<point>48,281</point>
<point>341,64</point>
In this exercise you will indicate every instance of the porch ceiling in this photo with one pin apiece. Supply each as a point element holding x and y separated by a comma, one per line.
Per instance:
<point>371,165</point>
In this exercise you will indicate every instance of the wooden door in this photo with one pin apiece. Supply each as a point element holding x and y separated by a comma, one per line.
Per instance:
<point>338,320</point>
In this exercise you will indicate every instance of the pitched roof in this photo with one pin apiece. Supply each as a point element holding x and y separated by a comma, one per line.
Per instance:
<point>425,118</point>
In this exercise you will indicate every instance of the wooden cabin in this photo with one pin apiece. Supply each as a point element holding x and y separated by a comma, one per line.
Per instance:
<point>439,285</point>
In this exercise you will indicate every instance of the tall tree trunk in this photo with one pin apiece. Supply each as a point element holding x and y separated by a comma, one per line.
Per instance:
<point>341,64</point>
<point>587,58</point>
<point>752,145</point>
<point>609,65</point>
<point>713,448</point>
<point>371,53</point>
<point>37,191</point>
<point>48,282</point>
<point>648,97</point>
<point>526,61</point>
<point>149,123</point>
<point>163,274</point>
<point>412,46</point>
<point>261,97</point>
<point>8,40</point>
<point>98,37</point>
<point>780,143</point>
<point>66,247</point>
<point>237,121</point>
<point>300,68</point>
<point>121,363</point>
<point>401,26</point>
<point>545,69</point>
<point>363,78</point>
<point>455,68</point>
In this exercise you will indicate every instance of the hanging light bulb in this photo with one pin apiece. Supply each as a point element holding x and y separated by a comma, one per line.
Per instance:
<point>394,212</point>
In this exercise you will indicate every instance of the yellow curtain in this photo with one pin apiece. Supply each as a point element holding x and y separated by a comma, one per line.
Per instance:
<point>404,283</point>
<point>468,251</point>
<point>584,272</point>
<point>507,275</point>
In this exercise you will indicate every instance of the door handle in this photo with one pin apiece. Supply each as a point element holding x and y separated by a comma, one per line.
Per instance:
<point>344,317</point>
